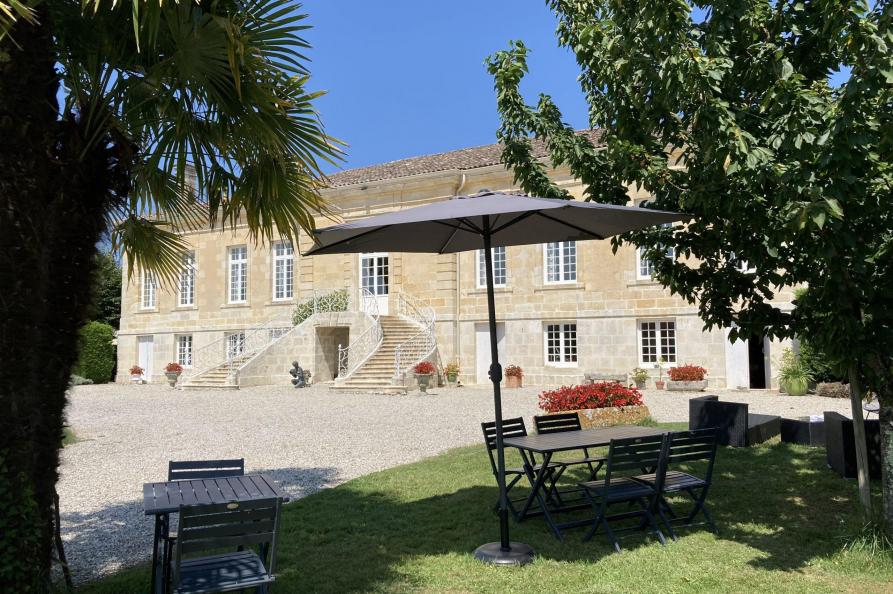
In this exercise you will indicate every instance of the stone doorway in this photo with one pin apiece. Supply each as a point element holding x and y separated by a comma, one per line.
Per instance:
<point>327,340</point>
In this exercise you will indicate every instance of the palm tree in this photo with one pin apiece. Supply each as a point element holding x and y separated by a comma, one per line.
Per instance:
<point>132,120</point>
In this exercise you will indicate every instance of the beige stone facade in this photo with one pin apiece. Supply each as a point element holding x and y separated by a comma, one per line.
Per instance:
<point>608,303</point>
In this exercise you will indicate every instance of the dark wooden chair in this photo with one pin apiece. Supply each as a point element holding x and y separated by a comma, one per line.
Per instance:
<point>561,422</point>
<point>684,447</point>
<point>190,470</point>
<point>512,428</point>
<point>221,526</point>
<point>204,469</point>
<point>630,455</point>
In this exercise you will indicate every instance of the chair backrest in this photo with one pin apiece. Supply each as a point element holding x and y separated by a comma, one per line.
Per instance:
<point>636,455</point>
<point>227,526</point>
<point>510,428</point>
<point>557,423</point>
<point>203,469</point>
<point>708,412</point>
<point>693,446</point>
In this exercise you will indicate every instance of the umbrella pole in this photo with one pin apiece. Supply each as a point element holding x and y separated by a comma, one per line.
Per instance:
<point>503,552</point>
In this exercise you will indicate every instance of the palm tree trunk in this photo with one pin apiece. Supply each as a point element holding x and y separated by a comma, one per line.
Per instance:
<point>52,206</point>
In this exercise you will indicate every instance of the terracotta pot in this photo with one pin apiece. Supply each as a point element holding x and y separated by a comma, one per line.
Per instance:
<point>513,381</point>
<point>658,384</point>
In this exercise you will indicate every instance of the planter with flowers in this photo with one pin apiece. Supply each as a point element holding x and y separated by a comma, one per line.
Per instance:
<point>639,376</point>
<point>172,372</point>
<point>602,404</point>
<point>136,374</point>
<point>452,373</point>
<point>659,382</point>
<point>423,372</point>
<point>687,378</point>
<point>514,376</point>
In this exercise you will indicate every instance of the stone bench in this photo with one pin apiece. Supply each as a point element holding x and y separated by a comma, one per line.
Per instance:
<point>594,378</point>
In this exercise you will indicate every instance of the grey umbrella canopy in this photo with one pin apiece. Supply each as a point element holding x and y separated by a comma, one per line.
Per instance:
<point>457,225</point>
<point>482,221</point>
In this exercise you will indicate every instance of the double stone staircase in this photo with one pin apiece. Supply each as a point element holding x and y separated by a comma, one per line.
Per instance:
<point>377,373</point>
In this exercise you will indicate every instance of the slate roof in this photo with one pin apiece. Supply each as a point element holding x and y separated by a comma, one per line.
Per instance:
<point>467,158</point>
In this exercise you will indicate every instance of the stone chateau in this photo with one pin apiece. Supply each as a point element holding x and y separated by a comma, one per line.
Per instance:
<point>565,309</point>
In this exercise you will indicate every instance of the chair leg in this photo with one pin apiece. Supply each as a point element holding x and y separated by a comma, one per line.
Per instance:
<point>611,536</point>
<point>650,517</point>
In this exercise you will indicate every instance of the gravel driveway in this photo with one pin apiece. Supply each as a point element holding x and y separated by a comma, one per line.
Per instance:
<point>306,439</point>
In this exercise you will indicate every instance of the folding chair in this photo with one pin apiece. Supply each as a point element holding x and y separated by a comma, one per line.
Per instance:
<point>202,469</point>
<point>511,428</point>
<point>561,422</point>
<point>631,454</point>
<point>682,447</point>
<point>189,470</point>
<point>243,524</point>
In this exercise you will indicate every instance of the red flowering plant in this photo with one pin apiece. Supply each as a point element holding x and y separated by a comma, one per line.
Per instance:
<point>173,368</point>
<point>423,368</point>
<point>514,371</point>
<point>136,370</point>
<point>687,373</point>
<point>598,395</point>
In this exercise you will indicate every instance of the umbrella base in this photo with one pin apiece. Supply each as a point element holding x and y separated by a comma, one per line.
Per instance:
<point>492,554</point>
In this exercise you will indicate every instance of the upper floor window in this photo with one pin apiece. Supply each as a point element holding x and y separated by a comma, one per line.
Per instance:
<point>561,262</point>
<point>149,287</point>
<point>645,266</point>
<point>283,271</point>
<point>187,280</point>
<point>561,344</point>
<point>499,270</point>
<point>184,350</point>
<point>657,340</point>
<point>238,274</point>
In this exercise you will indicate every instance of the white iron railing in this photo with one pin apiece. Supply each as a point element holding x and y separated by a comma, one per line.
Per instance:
<point>420,345</point>
<point>235,349</point>
<point>238,349</point>
<point>351,357</point>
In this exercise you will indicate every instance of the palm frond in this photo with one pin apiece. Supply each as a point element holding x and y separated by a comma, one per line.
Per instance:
<point>149,245</point>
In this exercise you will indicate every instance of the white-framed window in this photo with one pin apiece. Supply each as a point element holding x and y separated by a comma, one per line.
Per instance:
<point>187,280</point>
<point>645,266</point>
<point>149,289</point>
<point>657,339</point>
<point>560,342</point>
<point>184,350</point>
<point>283,271</point>
<point>560,262</point>
<point>500,278</point>
<point>238,274</point>
<point>235,344</point>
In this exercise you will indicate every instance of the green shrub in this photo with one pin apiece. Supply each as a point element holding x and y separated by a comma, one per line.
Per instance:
<point>334,301</point>
<point>97,353</point>
<point>77,380</point>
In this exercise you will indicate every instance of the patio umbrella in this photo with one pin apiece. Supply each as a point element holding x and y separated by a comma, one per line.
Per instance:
<point>482,221</point>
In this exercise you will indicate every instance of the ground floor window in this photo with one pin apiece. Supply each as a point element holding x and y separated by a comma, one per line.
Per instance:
<point>657,339</point>
<point>184,350</point>
<point>561,344</point>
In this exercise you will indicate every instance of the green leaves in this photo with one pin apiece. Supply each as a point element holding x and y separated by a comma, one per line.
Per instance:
<point>733,119</point>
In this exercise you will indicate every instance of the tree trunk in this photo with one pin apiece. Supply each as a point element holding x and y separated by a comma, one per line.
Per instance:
<point>886,418</point>
<point>52,206</point>
<point>861,444</point>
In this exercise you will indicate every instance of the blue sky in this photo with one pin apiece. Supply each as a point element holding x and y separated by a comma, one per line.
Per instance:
<point>407,78</point>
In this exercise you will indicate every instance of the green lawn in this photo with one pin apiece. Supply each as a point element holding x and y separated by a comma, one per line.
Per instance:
<point>783,520</point>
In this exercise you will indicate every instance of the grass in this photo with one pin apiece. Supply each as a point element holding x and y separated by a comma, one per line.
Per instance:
<point>784,520</point>
<point>68,436</point>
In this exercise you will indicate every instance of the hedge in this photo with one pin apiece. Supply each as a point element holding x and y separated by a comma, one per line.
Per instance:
<point>97,353</point>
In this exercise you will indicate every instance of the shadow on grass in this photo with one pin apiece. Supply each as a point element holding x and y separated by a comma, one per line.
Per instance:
<point>780,500</point>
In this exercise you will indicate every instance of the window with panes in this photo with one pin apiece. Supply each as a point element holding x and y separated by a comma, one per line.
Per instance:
<point>283,271</point>
<point>657,339</point>
<point>238,274</point>
<point>184,350</point>
<point>149,288</point>
<point>500,276</point>
<point>561,262</point>
<point>187,280</point>
<point>561,344</point>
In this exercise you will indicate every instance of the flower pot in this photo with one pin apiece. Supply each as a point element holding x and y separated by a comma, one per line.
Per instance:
<point>685,386</point>
<point>424,379</point>
<point>659,384</point>
<point>452,378</point>
<point>171,378</point>
<point>609,416</point>
<point>640,384</point>
<point>513,381</point>
<point>795,386</point>
<point>136,378</point>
